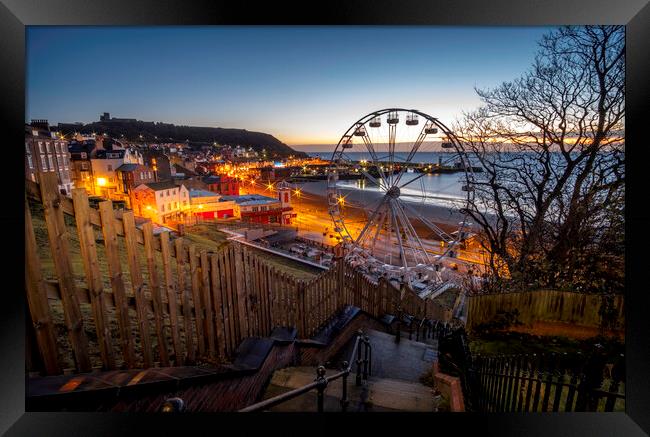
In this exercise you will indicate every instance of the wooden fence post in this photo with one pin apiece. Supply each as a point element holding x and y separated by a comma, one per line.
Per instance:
<point>207,302</point>
<point>185,296</point>
<point>172,298</point>
<point>217,300</point>
<point>37,300</point>
<point>58,237</point>
<point>117,283</point>
<point>137,284</point>
<point>199,310</point>
<point>154,288</point>
<point>240,284</point>
<point>94,281</point>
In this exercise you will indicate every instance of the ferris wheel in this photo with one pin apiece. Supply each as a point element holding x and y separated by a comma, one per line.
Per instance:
<point>384,176</point>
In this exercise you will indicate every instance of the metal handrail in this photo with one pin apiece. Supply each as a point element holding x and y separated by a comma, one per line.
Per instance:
<point>322,381</point>
<point>417,334</point>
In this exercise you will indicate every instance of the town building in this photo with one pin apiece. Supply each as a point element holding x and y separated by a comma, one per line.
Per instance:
<point>222,184</point>
<point>81,170</point>
<point>104,166</point>
<point>255,208</point>
<point>159,163</point>
<point>44,152</point>
<point>130,176</point>
<point>206,205</point>
<point>275,173</point>
<point>162,202</point>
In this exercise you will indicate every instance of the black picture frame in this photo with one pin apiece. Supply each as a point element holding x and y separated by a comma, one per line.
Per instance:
<point>16,14</point>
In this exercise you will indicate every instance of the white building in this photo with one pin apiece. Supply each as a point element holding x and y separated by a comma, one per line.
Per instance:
<point>162,202</point>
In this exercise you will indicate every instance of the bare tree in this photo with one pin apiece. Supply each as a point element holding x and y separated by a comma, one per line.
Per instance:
<point>551,144</point>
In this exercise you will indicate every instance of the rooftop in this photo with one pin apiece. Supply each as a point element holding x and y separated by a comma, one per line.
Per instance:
<point>128,167</point>
<point>202,193</point>
<point>251,199</point>
<point>165,185</point>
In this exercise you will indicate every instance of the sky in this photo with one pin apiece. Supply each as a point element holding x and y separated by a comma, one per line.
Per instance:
<point>303,85</point>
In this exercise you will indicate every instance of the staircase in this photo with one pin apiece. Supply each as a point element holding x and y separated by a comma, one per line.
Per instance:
<point>393,383</point>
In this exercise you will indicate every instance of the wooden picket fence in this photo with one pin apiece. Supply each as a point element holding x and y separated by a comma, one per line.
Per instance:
<point>170,303</point>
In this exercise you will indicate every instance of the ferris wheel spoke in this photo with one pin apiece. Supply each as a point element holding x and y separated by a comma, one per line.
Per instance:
<point>373,154</point>
<point>457,202</point>
<point>442,234</point>
<point>414,233</point>
<point>370,221</point>
<point>380,225</point>
<point>412,180</point>
<point>398,235</point>
<point>414,149</point>
<point>406,229</point>
<point>392,133</point>
<point>370,177</point>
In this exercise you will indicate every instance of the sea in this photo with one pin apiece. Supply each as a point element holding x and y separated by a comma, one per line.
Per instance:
<point>437,189</point>
<point>444,189</point>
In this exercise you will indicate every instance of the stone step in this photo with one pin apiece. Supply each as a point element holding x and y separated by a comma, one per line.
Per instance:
<point>380,394</point>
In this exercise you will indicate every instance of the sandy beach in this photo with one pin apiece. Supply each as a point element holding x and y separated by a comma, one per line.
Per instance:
<point>358,201</point>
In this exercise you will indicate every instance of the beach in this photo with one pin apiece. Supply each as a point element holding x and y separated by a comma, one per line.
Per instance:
<point>357,202</point>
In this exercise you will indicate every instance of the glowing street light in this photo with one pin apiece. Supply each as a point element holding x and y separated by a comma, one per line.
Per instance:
<point>101,181</point>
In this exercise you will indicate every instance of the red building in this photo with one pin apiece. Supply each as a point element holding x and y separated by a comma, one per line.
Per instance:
<point>255,208</point>
<point>130,176</point>
<point>224,185</point>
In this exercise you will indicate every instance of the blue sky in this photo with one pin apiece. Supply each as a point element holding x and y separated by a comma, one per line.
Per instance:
<point>304,85</point>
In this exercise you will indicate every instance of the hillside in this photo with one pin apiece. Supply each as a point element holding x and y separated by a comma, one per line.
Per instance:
<point>196,136</point>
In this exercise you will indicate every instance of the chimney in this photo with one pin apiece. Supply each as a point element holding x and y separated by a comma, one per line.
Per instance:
<point>40,124</point>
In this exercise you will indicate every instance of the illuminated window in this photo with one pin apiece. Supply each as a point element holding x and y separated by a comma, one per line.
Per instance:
<point>49,158</point>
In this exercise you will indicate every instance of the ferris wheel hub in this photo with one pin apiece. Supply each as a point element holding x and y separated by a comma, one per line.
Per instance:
<point>393,192</point>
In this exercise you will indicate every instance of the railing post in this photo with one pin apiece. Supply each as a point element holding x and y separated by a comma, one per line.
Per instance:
<point>398,334</point>
<point>411,330</point>
<point>366,341</point>
<point>322,383</point>
<point>359,360</point>
<point>344,395</point>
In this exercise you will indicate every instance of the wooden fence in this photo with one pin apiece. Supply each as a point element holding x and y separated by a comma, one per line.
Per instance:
<point>162,301</point>
<point>542,305</point>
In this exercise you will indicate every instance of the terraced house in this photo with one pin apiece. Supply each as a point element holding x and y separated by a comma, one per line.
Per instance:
<point>162,202</point>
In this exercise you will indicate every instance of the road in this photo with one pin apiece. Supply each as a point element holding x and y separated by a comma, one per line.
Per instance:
<point>314,222</point>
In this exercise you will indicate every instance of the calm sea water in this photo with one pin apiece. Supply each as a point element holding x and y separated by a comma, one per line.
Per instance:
<point>439,189</point>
